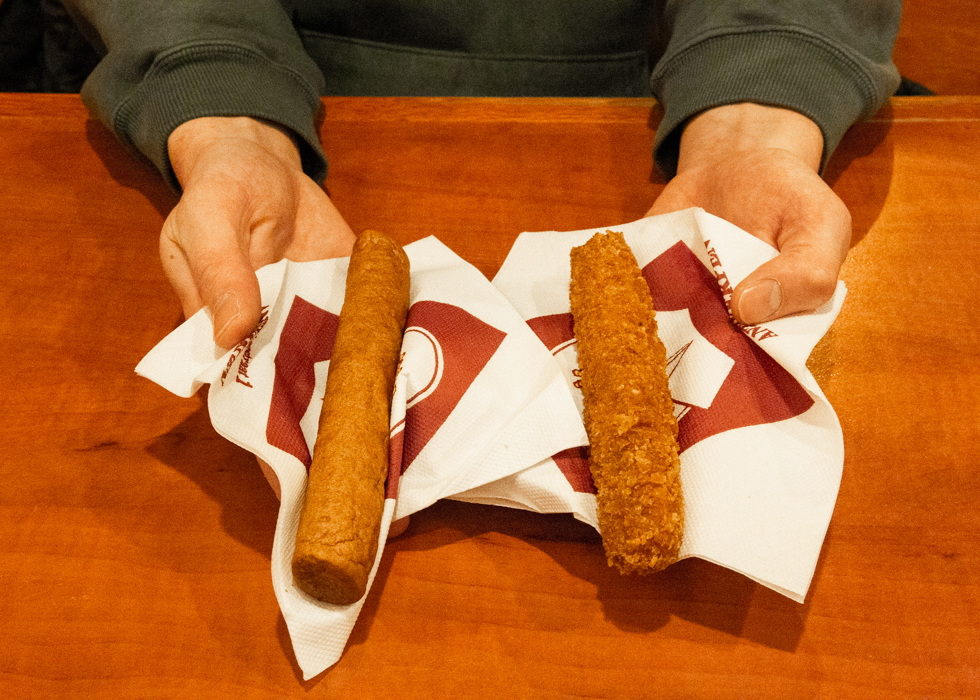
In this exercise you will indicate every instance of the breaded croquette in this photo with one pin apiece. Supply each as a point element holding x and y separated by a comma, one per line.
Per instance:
<point>629,415</point>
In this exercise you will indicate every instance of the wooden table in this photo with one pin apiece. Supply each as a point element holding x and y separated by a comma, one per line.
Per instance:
<point>134,542</point>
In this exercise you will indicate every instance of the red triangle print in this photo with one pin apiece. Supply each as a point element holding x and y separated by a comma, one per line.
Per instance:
<point>307,337</point>
<point>757,390</point>
<point>461,345</point>
<point>574,465</point>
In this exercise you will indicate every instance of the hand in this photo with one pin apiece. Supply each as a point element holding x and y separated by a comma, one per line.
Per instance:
<point>246,203</point>
<point>758,167</point>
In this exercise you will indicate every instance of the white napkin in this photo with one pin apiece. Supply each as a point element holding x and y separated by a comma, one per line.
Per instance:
<point>483,411</point>
<point>478,398</point>
<point>762,450</point>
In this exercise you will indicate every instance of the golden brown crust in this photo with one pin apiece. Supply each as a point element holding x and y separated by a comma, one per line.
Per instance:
<point>337,539</point>
<point>629,415</point>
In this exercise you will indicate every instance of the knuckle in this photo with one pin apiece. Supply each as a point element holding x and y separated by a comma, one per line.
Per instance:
<point>820,282</point>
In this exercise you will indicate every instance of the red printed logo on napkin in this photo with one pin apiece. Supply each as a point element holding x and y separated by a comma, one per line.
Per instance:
<point>556,331</point>
<point>574,466</point>
<point>748,387</point>
<point>449,348</point>
<point>758,389</point>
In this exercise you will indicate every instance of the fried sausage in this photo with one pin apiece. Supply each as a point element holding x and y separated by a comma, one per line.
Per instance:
<point>629,415</point>
<point>337,539</point>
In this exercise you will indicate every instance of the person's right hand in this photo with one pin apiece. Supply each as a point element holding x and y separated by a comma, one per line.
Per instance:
<point>246,203</point>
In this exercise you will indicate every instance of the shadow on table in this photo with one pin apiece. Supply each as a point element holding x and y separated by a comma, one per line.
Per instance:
<point>860,171</point>
<point>694,590</point>
<point>227,474</point>
<point>128,170</point>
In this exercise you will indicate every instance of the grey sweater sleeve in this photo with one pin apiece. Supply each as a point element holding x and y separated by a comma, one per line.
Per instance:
<point>829,60</point>
<point>167,62</point>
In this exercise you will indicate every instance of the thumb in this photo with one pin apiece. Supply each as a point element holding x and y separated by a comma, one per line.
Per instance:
<point>792,282</point>
<point>207,267</point>
<point>235,312</point>
<point>813,237</point>
<point>801,278</point>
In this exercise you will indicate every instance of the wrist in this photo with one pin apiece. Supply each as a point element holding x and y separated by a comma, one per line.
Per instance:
<point>730,130</point>
<point>189,141</point>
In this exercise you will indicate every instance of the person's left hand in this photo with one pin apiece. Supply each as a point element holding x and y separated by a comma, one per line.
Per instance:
<point>757,167</point>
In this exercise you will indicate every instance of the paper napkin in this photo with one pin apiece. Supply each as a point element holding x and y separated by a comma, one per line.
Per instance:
<point>761,447</point>
<point>486,407</point>
<point>477,399</point>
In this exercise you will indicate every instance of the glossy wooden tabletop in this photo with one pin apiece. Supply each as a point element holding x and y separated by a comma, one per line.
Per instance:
<point>134,542</point>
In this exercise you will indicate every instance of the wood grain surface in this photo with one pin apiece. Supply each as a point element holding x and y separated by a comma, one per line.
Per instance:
<point>134,542</point>
<point>938,44</point>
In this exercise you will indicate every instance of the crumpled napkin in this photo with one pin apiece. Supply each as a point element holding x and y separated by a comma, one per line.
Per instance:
<point>761,448</point>
<point>486,408</point>
<point>477,399</point>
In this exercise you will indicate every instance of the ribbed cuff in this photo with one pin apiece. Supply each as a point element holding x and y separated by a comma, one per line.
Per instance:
<point>776,67</point>
<point>218,80</point>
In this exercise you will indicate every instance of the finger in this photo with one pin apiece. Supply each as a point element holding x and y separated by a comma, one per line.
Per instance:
<point>206,259</point>
<point>178,271</point>
<point>802,277</point>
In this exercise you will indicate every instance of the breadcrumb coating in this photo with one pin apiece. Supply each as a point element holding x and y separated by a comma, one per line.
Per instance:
<point>629,415</point>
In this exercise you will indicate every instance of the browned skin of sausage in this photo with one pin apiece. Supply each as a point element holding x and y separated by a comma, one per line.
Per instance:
<point>629,415</point>
<point>337,539</point>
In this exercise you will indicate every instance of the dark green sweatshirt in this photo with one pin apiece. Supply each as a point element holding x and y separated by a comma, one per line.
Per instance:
<point>169,61</point>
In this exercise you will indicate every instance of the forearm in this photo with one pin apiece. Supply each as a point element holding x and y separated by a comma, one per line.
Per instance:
<point>829,61</point>
<point>166,63</point>
<point>732,130</point>
<point>189,141</point>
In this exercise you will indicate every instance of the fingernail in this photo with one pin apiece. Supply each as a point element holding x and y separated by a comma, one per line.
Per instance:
<point>228,308</point>
<point>760,302</point>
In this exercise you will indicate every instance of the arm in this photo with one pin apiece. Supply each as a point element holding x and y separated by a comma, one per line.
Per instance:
<point>221,96</point>
<point>165,63</point>
<point>754,104</point>
<point>830,61</point>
